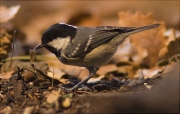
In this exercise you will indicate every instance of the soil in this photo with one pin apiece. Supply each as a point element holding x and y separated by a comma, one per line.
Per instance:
<point>105,96</point>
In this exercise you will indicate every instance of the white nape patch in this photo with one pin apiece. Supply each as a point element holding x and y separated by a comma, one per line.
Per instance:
<point>68,25</point>
<point>60,43</point>
<point>88,43</point>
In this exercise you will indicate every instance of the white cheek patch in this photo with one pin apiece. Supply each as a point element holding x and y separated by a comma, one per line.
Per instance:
<point>60,43</point>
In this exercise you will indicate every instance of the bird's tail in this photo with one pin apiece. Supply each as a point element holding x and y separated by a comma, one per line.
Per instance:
<point>139,29</point>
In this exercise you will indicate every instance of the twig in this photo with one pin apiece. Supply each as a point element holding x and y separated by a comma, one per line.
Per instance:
<point>53,78</point>
<point>24,102</point>
<point>141,75</point>
<point>1,54</point>
<point>31,53</point>
<point>12,48</point>
<point>116,79</point>
<point>30,96</point>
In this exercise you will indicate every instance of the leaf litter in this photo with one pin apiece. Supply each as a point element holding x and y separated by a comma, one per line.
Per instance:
<point>33,86</point>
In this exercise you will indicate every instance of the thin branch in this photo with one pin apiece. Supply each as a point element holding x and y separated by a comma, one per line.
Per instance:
<point>53,78</point>
<point>12,48</point>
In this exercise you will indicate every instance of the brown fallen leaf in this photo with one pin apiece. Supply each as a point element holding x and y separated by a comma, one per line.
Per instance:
<point>82,73</point>
<point>79,72</point>
<point>28,110</point>
<point>87,17</point>
<point>52,96</point>
<point>172,45</point>
<point>6,75</point>
<point>38,65</point>
<point>8,13</point>
<point>148,73</point>
<point>96,79</point>
<point>5,45</point>
<point>123,52</point>
<point>146,44</point>
<point>127,70</point>
<point>57,74</point>
<point>107,68</point>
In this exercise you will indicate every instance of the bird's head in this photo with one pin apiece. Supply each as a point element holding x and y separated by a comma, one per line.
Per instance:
<point>57,37</point>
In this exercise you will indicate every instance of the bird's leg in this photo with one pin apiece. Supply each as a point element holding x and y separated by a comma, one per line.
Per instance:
<point>92,72</point>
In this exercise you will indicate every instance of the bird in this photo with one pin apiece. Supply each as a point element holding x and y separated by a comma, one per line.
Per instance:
<point>88,47</point>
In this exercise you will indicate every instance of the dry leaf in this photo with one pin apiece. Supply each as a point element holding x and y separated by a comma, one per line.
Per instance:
<point>148,73</point>
<point>28,110</point>
<point>170,34</point>
<point>7,14</point>
<point>6,75</point>
<point>172,45</point>
<point>53,96</point>
<point>87,17</point>
<point>146,44</point>
<point>95,79</point>
<point>107,68</point>
<point>123,52</point>
<point>56,75</point>
<point>148,86</point>
<point>83,73</point>
<point>127,69</point>
<point>79,72</point>
<point>5,43</point>
<point>42,66</point>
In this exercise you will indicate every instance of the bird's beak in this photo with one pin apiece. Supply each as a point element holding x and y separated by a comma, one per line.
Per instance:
<point>38,47</point>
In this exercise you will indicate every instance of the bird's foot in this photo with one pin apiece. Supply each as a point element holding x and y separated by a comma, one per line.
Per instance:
<point>92,72</point>
<point>71,89</point>
<point>79,85</point>
<point>82,86</point>
<point>79,88</point>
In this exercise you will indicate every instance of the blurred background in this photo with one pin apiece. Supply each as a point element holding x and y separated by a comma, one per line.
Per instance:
<point>138,57</point>
<point>34,17</point>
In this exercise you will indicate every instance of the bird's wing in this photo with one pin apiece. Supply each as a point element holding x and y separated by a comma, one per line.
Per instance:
<point>104,34</point>
<point>100,35</point>
<point>113,28</point>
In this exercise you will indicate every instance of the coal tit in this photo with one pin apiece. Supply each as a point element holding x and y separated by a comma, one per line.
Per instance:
<point>86,46</point>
